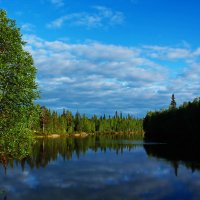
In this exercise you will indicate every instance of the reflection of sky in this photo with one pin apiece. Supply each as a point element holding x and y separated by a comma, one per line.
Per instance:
<point>131,175</point>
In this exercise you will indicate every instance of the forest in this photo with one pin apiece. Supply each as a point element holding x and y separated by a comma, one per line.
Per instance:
<point>176,124</point>
<point>66,123</point>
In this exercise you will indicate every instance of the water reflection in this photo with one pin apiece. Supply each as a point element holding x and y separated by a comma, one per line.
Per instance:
<point>14,148</point>
<point>176,154</point>
<point>48,150</point>
<point>113,167</point>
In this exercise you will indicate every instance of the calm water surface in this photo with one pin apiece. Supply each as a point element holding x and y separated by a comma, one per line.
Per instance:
<point>103,168</point>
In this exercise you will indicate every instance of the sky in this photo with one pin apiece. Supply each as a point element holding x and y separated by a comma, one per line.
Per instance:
<point>99,56</point>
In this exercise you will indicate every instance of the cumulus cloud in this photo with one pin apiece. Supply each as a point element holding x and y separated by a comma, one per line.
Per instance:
<point>99,17</point>
<point>95,78</point>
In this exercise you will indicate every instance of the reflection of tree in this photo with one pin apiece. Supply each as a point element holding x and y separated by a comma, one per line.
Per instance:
<point>3,193</point>
<point>4,161</point>
<point>46,150</point>
<point>17,150</point>
<point>187,154</point>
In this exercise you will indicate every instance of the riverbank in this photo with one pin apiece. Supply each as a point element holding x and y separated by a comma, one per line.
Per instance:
<point>84,134</point>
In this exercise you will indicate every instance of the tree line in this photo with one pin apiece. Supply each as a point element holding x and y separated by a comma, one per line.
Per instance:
<point>175,123</point>
<point>66,123</point>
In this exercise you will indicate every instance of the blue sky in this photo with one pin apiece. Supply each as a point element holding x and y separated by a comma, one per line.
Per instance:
<point>98,56</point>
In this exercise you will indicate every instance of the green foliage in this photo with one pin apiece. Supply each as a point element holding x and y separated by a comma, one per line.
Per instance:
<point>17,89</point>
<point>180,124</point>
<point>66,123</point>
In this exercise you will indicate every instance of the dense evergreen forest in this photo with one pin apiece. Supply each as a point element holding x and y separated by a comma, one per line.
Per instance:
<point>174,124</point>
<point>66,123</point>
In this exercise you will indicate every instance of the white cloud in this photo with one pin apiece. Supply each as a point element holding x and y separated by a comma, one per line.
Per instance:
<point>115,17</point>
<point>197,52</point>
<point>105,78</point>
<point>99,17</point>
<point>28,27</point>
<point>168,53</point>
<point>58,3</point>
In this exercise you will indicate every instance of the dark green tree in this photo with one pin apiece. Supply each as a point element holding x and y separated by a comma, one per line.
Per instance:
<point>174,125</point>
<point>69,122</point>
<point>173,102</point>
<point>77,120</point>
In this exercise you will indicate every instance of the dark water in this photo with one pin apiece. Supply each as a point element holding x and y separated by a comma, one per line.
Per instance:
<point>103,168</point>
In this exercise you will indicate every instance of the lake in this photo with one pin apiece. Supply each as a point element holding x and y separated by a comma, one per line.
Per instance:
<point>101,168</point>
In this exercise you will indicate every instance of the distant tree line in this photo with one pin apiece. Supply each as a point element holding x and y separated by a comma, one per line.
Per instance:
<point>66,123</point>
<point>174,124</point>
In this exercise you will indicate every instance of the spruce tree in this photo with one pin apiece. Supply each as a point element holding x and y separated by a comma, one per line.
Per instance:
<point>173,102</point>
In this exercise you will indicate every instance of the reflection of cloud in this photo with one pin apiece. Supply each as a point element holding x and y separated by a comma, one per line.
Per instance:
<point>106,175</point>
<point>30,181</point>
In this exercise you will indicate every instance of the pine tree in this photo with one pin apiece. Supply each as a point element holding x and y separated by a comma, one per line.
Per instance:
<point>173,102</point>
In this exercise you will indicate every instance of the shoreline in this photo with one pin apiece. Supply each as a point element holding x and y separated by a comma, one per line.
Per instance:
<point>83,134</point>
